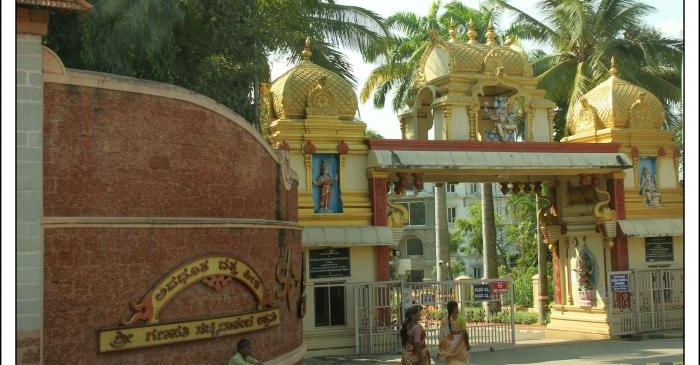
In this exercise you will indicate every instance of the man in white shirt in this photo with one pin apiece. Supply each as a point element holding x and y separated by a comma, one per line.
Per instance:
<point>242,356</point>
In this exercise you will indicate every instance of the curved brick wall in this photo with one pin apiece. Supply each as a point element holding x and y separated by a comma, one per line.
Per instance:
<point>136,185</point>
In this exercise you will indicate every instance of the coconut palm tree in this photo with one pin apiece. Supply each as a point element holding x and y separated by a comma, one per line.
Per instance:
<point>397,72</point>
<point>585,35</point>
<point>334,29</point>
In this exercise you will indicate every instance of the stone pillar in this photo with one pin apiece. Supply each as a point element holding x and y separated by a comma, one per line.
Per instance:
<point>542,292</point>
<point>378,191</point>
<point>442,249</point>
<point>619,255</point>
<point>31,26</point>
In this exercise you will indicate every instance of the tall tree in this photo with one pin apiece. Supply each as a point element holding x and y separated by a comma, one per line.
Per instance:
<point>397,72</point>
<point>488,231</point>
<point>219,48</point>
<point>585,35</point>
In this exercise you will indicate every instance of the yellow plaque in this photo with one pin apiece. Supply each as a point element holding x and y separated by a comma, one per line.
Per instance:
<point>128,338</point>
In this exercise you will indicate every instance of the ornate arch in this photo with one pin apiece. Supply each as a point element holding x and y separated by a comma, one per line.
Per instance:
<point>214,271</point>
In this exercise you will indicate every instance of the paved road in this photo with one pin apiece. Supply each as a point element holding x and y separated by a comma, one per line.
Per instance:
<point>664,351</point>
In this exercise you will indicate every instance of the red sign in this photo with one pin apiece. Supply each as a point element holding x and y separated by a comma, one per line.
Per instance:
<point>499,286</point>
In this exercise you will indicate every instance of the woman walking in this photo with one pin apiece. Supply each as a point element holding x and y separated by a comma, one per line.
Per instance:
<point>454,339</point>
<point>415,352</point>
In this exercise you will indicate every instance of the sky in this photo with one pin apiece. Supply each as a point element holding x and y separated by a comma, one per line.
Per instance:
<point>667,18</point>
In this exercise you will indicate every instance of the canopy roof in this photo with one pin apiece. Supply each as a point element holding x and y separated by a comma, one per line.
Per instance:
<point>452,161</point>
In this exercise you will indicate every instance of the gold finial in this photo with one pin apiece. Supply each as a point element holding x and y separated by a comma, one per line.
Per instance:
<point>306,53</point>
<point>613,67</point>
<point>490,35</point>
<point>453,30</point>
<point>472,32</point>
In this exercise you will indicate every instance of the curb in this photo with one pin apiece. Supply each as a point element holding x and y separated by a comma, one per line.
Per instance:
<point>654,336</point>
<point>657,363</point>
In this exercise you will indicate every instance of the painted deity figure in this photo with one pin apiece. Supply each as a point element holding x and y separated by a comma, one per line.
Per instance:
<point>325,181</point>
<point>503,120</point>
<point>647,188</point>
<point>584,272</point>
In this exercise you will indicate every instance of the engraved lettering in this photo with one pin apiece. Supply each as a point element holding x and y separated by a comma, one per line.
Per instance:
<point>120,339</point>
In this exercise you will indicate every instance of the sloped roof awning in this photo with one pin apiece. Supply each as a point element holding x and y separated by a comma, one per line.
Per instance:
<point>494,165</point>
<point>652,227</point>
<point>346,236</point>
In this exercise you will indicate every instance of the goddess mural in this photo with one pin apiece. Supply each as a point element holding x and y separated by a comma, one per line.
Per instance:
<point>325,182</point>
<point>503,120</point>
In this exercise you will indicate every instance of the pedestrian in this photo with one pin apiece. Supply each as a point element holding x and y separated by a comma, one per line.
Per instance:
<point>242,356</point>
<point>415,351</point>
<point>453,339</point>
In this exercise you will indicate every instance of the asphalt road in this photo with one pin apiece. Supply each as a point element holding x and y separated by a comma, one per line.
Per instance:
<point>664,351</point>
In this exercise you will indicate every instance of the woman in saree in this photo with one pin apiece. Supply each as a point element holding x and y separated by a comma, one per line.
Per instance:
<point>415,351</point>
<point>454,339</point>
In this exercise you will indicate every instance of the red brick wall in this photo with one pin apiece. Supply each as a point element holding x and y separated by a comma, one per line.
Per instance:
<point>119,154</point>
<point>125,154</point>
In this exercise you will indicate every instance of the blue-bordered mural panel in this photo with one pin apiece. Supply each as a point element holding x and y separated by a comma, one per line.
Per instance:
<point>647,181</point>
<point>325,169</point>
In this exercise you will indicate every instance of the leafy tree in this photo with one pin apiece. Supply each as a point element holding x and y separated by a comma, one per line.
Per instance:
<point>585,35</point>
<point>218,48</point>
<point>471,228</point>
<point>397,72</point>
<point>371,133</point>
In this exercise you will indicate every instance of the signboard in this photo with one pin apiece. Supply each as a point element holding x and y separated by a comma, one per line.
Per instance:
<point>125,338</point>
<point>620,281</point>
<point>482,292</point>
<point>658,248</point>
<point>498,287</point>
<point>329,263</point>
<point>144,329</point>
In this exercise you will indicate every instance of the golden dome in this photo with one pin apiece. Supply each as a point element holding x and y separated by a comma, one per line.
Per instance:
<point>309,89</point>
<point>615,103</point>
<point>472,56</point>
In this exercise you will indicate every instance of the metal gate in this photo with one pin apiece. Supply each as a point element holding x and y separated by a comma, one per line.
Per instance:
<point>487,304</point>
<point>645,300</point>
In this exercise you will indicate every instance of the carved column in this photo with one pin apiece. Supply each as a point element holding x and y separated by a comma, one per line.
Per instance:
<point>473,121</point>
<point>550,120</point>
<point>556,272</point>
<point>378,192</point>
<point>402,126</point>
<point>619,253</point>
<point>569,287</point>
<point>556,262</point>
<point>529,114</point>
<point>447,120</point>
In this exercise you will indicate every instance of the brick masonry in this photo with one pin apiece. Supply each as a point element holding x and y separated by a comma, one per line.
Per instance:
<point>111,154</point>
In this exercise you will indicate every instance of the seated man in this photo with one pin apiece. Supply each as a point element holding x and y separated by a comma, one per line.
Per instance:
<point>242,356</point>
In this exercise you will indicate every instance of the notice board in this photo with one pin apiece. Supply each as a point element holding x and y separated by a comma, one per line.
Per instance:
<point>658,248</point>
<point>329,263</point>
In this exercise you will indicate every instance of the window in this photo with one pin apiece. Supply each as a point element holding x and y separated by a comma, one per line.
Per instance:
<point>414,276</point>
<point>451,215</point>
<point>477,272</point>
<point>416,213</point>
<point>473,188</point>
<point>414,247</point>
<point>451,188</point>
<point>329,304</point>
